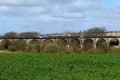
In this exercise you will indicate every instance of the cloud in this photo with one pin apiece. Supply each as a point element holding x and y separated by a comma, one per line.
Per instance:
<point>4,8</point>
<point>56,14</point>
<point>23,2</point>
<point>109,17</point>
<point>51,7</point>
<point>85,3</point>
<point>21,11</point>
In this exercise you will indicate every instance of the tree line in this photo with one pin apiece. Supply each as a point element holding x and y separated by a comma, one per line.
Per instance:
<point>20,35</point>
<point>96,31</point>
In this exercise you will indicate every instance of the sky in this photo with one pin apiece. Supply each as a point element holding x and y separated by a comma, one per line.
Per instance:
<point>56,16</point>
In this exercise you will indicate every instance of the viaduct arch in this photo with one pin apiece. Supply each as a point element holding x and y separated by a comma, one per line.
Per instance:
<point>68,41</point>
<point>114,42</point>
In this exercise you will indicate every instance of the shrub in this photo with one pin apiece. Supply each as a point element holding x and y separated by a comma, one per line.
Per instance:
<point>78,50</point>
<point>52,48</point>
<point>46,42</point>
<point>95,51</point>
<point>2,46</point>
<point>19,44</point>
<point>34,48</point>
<point>12,48</point>
<point>105,47</point>
<point>61,42</point>
<point>114,50</point>
<point>62,49</point>
<point>29,47</point>
<point>69,50</point>
<point>5,44</point>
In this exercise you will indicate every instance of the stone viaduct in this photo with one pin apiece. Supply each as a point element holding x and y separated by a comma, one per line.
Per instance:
<point>67,40</point>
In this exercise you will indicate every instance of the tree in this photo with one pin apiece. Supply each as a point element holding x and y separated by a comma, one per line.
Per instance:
<point>20,45</point>
<point>5,44</point>
<point>10,35</point>
<point>34,46</point>
<point>28,34</point>
<point>104,47</point>
<point>52,48</point>
<point>96,31</point>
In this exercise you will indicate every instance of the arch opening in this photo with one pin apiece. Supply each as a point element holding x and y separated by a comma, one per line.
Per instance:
<point>100,42</point>
<point>34,41</point>
<point>46,42</point>
<point>75,43</point>
<point>114,42</point>
<point>20,44</point>
<point>62,42</point>
<point>6,44</point>
<point>88,44</point>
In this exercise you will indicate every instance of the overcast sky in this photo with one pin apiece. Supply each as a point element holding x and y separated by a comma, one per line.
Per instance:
<point>54,16</point>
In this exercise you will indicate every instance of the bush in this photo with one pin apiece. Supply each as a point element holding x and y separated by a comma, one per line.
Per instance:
<point>69,50</point>
<point>19,44</point>
<point>52,48</point>
<point>5,44</point>
<point>62,49</point>
<point>78,50</point>
<point>2,46</point>
<point>95,51</point>
<point>35,48</point>
<point>12,48</point>
<point>114,50</point>
<point>105,47</point>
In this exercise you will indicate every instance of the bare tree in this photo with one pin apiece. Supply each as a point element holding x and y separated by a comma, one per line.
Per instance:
<point>96,31</point>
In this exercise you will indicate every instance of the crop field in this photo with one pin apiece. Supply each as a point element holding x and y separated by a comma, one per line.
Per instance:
<point>59,66</point>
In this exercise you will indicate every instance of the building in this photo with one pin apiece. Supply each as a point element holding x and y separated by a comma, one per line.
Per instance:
<point>112,33</point>
<point>55,35</point>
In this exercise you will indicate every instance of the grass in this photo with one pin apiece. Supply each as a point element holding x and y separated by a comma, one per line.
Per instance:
<point>59,66</point>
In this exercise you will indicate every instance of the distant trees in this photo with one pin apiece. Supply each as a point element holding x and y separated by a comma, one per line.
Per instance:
<point>28,34</point>
<point>96,31</point>
<point>10,35</point>
<point>21,35</point>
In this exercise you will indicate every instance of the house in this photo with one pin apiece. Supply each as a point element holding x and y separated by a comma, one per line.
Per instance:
<point>112,33</point>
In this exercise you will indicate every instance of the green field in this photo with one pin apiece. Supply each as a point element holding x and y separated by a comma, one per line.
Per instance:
<point>59,66</point>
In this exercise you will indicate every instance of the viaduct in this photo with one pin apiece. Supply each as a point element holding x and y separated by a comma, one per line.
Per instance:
<point>68,40</point>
